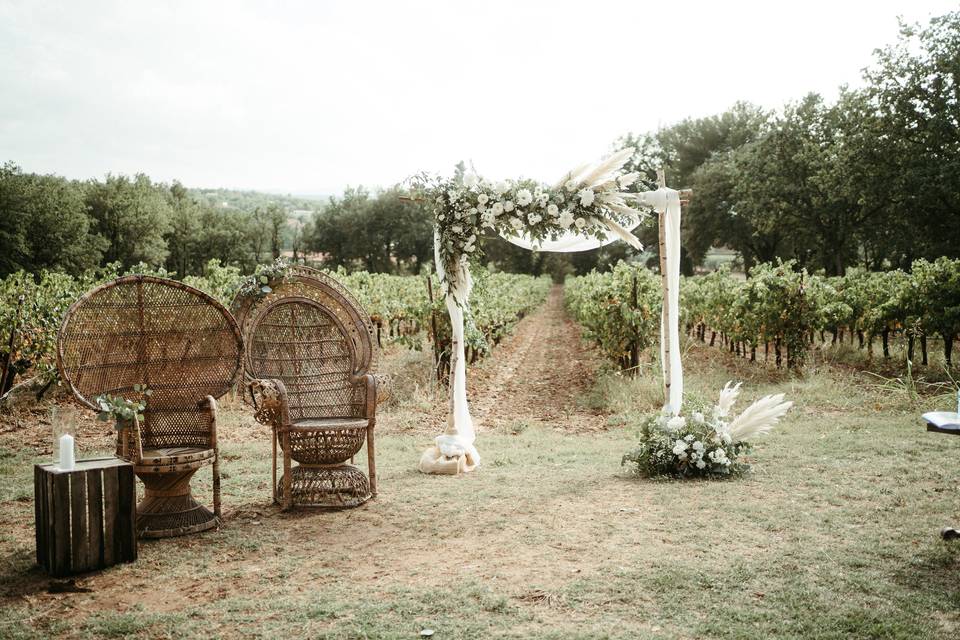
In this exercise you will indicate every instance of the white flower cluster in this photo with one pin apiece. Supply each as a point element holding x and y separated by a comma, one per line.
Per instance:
<point>583,202</point>
<point>705,443</point>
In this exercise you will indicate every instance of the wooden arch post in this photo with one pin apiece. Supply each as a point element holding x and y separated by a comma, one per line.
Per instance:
<point>665,284</point>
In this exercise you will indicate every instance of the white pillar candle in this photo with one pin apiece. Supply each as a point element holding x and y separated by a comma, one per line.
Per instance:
<point>66,452</point>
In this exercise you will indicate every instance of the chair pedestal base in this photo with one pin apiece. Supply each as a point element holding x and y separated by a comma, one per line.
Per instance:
<point>334,486</point>
<point>168,507</point>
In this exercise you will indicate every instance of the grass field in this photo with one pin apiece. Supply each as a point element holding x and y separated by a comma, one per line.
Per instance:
<point>834,533</point>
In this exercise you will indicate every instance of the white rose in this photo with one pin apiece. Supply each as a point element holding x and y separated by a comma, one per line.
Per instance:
<point>470,179</point>
<point>571,185</point>
<point>697,417</point>
<point>677,423</point>
<point>508,206</point>
<point>698,446</point>
<point>482,198</point>
<point>701,464</point>
<point>581,223</point>
<point>552,210</point>
<point>524,197</point>
<point>501,187</point>
<point>497,208</point>
<point>456,229</point>
<point>586,197</point>
<point>516,223</point>
<point>566,219</point>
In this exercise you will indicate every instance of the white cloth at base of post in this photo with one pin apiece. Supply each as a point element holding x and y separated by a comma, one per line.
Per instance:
<point>454,452</point>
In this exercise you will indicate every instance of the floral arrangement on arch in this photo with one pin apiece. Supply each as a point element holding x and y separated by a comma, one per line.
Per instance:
<point>590,201</point>
<point>706,443</point>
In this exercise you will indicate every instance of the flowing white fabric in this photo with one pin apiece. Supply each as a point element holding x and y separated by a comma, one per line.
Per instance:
<point>454,451</point>
<point>570,241</point>
<point>666,202</point>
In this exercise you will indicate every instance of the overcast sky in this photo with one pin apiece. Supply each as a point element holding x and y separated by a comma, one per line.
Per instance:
<point>308,97</point>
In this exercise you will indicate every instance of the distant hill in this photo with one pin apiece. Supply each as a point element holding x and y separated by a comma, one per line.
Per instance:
<point>300,205</point>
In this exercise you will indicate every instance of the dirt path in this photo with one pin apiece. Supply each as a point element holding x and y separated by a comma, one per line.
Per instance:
<point>540,375</point>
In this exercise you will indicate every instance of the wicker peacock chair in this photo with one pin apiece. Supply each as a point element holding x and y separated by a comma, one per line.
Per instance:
<point>187,349</point>
<point>310,353</point>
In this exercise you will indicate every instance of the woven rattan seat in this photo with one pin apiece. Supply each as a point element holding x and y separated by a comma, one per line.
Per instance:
<point>142,331</point>
<point>175,456</point>
<point>330,423</point>
<point>310,349</point>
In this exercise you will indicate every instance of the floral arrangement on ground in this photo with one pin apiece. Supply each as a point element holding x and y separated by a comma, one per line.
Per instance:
<point>590,201</point>
<point>706,443</point>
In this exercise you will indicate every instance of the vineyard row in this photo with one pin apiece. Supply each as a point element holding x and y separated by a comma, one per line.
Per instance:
<point>779,308</point>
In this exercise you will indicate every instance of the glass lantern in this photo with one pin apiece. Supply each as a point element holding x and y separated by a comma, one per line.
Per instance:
<point>63,421</point>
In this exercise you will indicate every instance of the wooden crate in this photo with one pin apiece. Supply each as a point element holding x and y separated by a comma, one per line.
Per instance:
<point>85,518</point>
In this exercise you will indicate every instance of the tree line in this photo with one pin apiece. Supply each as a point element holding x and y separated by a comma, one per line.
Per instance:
<point>50,222</point>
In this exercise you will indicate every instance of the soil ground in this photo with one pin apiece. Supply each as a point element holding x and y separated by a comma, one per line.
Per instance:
<point>832,535</point>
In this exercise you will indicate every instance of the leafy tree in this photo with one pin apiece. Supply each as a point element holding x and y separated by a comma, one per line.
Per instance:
<point>915,88</point>
<point>184,231</point>
<point>681,150</point>
<point>275,220</point>
<point>381,232</point>
<point>133,215</point>
<point>44,224</point>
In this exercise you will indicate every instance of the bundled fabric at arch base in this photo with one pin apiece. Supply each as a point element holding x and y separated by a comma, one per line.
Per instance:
<point>587,209</point>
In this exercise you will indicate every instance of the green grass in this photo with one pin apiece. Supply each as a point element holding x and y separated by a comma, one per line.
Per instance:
<point>834,534</point>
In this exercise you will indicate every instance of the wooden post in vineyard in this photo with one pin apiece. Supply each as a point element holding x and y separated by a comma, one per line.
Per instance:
<point>433,330</point>
<point>665,313</point>
<point>635,345</point>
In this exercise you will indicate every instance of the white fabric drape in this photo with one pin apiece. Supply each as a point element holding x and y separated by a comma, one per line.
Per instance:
<point>666,202</point>
<point>454,451</point>
<point>570,241</point>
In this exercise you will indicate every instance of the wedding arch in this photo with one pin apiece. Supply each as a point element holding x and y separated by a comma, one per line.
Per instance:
<point>587,209</point>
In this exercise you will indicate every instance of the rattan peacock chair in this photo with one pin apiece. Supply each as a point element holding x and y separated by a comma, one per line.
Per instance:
<point>187,349</point>
<point>310,352</point>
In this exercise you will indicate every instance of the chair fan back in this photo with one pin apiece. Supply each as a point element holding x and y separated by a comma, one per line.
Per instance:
<point>141,330</point>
